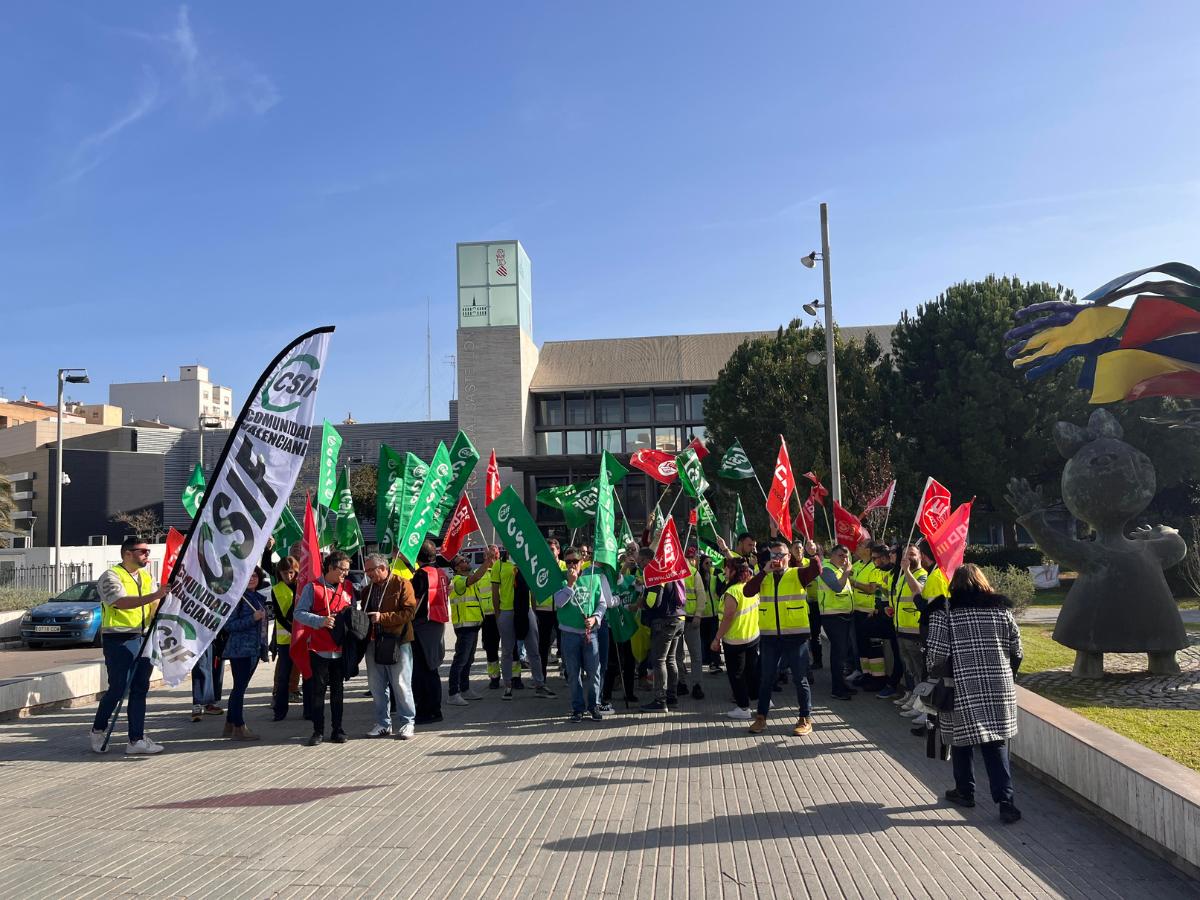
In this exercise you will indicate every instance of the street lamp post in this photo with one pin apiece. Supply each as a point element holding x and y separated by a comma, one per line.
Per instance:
<point>835,463</point>
<point>202,423</point>
<point>74,376</point>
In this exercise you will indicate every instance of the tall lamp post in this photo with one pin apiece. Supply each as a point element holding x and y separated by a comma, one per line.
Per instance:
<point>65,376</point>
<point>202,423</point>
<point>809,262</point>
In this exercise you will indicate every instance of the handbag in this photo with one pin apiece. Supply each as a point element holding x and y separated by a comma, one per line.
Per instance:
<point>387,649</point>
<point>941,697</point>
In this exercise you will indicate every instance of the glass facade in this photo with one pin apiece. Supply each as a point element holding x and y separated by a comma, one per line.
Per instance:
<point>622,419</point>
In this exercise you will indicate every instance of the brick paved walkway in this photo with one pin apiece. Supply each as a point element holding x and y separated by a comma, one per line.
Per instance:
<point>508,799</point>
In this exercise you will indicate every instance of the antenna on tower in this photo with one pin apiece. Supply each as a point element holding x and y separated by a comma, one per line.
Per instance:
<point>428,365</point>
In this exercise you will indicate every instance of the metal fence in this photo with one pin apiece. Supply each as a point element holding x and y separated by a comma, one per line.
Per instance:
<point>42,577</point>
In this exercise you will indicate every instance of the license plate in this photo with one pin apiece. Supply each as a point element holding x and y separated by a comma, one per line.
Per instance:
<point>45,628</point>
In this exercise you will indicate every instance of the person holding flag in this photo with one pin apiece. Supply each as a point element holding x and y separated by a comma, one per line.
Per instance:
<point>910,579</point>
<point>467,616</point>
<point>580,608</point>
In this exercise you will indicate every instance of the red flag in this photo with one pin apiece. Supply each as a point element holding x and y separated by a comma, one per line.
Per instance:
<point>692,517</point>
<point>698,446</point>
<point>883,501</point>
<point>669,563</point>
<point>935,506</point>
<point>174,543</point>
<point>310,572</point>
<point>782,485</point>
<point>846,526</point>
<point>658,465</point>
<point>949,540</point>
<point>819,491</point>
<point>806,519</point>
<point>491,486</point>
<point>462,523</point>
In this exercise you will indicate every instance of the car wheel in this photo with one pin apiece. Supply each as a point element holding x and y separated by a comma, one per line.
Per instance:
<point>33,645</point>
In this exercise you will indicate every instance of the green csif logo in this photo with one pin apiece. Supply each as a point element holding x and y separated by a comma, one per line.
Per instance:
<point>297,379</point>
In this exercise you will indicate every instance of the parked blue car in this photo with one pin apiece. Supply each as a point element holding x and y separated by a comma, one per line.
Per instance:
<point>73,617</point>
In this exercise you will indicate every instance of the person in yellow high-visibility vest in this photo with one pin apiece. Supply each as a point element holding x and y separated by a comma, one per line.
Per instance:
<point>127,603</point>
<point>281,602</point>
<point>865,577</point>
<point>694,593</point>
<point>835,595</point>
<point>466,615</point>
<point>909,580</point>
<point>738,635</point>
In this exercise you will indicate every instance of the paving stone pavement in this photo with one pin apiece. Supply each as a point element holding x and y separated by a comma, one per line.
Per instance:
<point>509,799</point>
<point>1126,683</point>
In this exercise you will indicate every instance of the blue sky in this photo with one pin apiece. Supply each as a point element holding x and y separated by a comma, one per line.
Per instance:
<point>201,183</point>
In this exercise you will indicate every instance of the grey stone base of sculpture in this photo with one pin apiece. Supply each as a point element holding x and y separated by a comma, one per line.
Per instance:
<point>1089,664</point>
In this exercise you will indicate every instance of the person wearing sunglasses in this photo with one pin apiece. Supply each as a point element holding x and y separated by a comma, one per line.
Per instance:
<point>127,603</point>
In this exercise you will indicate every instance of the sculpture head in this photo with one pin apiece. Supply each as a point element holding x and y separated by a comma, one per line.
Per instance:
<point>1105,481</point>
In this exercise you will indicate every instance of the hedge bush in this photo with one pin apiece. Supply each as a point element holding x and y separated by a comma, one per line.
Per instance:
<point>999,557</point>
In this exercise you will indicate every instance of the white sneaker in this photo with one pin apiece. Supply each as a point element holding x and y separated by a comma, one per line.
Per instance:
<point>144,747</point>
<point>908,704</point>
<point>471,695</point>
<point>900,701</point>
<point>921,720</point>
<point>456,700</point>
<point>406,732</point>
<point>97,741</point>
<point>739,713</point>
<point>855,677</point>
<point>910,713</point>
<point>379,731</point>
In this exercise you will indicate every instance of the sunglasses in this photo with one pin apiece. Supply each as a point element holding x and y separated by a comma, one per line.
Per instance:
<point>574,561</point>
<point>145,550</point>
<point>778,555</point>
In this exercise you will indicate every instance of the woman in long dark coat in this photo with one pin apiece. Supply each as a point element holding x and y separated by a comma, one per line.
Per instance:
<point>976,640</point>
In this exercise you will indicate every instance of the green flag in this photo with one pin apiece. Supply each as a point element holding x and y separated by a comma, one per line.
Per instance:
<point>691,472</point>
<point>604,551</point>
<point>433,491</point>
<point>613,467</point>
<point>193,494</point>
<point>287,532</point>
<point>717,557</point>
<point>326,528</point>
<point>577,501</point>
<point>735,464</point>
<point>415,470</point>
<point>331,446</point>
<point>349,535</point>
<point>706,523</point>
<point>739,520</point>
<point>526,546</point>
<point>388,483</point>
<point>626,533</point>
<point>463,458</point>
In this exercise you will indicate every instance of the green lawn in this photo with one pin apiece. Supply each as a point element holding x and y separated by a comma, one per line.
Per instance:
<point>1174,733</point>
<point>1056,596</point>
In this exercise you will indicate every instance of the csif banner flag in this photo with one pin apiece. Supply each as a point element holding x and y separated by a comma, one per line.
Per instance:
<point>735,464</point>
<point>331,446</point>
<point>348,534</point>
<point>462,523</point>
<point>433,488</point>
<point>193,492</point>
<point>782,486</point>
<point>250,486</point>
<point>526,547</point>
<point>658,464</point>
<point>739,520</point>
<point>605,548</point>
<point>463,459</point>
<point>388,483</point>
<point>669,563</point>
<point>691,472</point>
<point>949,540</point>
<point>934,508</point>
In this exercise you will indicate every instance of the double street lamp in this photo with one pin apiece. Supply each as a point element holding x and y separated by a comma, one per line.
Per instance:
<point>65,376</point>
<point>202,423</point>
<point>809,262</point>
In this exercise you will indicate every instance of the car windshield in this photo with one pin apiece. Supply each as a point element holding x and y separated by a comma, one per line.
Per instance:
<point>85,590</point>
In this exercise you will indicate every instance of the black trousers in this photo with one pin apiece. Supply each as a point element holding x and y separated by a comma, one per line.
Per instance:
<point>708,631</point>
<point>622,663</point>
<point>426,686</point>
<point>547,622</point>
<point>741,665</point>
<point>814,637</point>
<point>327,674</point>
<point>283,675</point>
<point>490,637</point>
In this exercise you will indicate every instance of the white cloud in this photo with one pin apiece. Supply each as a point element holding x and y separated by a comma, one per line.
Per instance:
<point>220,86</point>
<point>91,150</point>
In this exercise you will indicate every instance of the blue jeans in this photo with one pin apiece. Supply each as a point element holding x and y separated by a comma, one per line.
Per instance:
<point>582,658</point>
<point>603,640</point>
<point>465,642</point>
<point>397,678</point>
<point>202,679</point>
<point>792,651</point>
<point>242,668</point>
<point>995,759</point>
<point>120,659</point>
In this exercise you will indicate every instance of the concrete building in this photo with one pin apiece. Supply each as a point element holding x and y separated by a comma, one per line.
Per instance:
<point>100,414</point>
<point>178,403</point>
<point>550,411</point>
<point>23,411</point>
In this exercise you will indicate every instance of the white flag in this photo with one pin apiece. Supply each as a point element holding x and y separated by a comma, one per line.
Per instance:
<point>245,498</point>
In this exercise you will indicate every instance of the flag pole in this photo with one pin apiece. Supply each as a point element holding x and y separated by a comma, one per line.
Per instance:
<point>886,516</point>
<point>800,509</point>
<point>918,515</point>
<point>825,516</point>
<point>761,489</point>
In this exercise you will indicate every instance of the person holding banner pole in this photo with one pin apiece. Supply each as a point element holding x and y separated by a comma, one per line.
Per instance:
<point>125,591</point>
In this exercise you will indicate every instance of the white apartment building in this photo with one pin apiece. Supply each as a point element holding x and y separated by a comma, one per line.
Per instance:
<point>179,403</point>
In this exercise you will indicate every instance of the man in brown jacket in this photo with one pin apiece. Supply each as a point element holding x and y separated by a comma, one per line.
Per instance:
<point>390,604</point>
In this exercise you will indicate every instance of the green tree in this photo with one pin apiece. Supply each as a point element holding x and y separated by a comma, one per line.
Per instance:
<point>769,388</point>
<point>8,506</point>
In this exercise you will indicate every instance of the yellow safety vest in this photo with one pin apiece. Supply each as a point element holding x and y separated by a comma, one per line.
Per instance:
<point>689,587</point>
<point>744,629</point>
<point>834,603</point>
<point>783,605</point>
<point>284,596</point>
<point>504,576</point>
<point>483,590</point>
<point>908,617</point>
<point>712,605</point>
<point>866,573</point>
<point>465,608</point>
<point>935,585</point>
<point>128,621</point>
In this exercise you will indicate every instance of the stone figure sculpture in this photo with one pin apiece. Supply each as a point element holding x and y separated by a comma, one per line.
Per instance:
<point>1120,602</point>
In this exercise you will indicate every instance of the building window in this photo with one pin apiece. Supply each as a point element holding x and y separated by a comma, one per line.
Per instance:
<point>577,442</point>
<point>608,409</point>
<point>666,407</point>
<point>666,439</point>
<point>549,443</point>
<point>699,432</point>
<point>636,439</point>
<point>696,401</point>
<point>633,501</point>
<point>637,407</point>
<point>549,410</point>
<point>579,409</point>
<point>609,440</point>
<point>545,513</point>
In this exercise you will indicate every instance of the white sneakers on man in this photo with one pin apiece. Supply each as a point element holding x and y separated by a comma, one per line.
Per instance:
<point>144,747</point>
<point>469,694</point>
<point>406,732</point>
<point>379,731</point>
<point>904,698</point>
<point>908,704</point>
<point>740,713</point>
<point>96,738</point>
<point>456,700</point>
